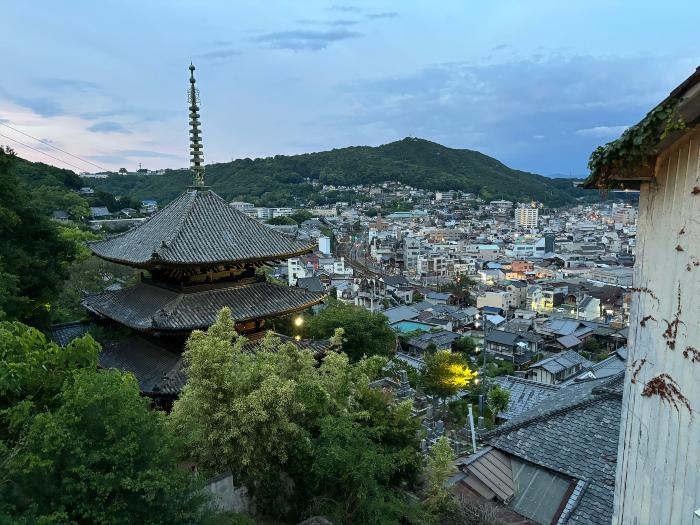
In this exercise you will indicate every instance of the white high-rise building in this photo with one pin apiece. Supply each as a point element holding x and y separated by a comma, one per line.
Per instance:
<point>526,216</point>
<point>324,245</point>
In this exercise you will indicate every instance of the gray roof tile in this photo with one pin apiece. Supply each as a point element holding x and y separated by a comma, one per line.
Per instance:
<point>147,307</point>
<point>198,227</point>
<point>574,432</point>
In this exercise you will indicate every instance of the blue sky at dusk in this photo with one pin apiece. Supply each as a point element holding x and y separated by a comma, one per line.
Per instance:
<point>536,84</point>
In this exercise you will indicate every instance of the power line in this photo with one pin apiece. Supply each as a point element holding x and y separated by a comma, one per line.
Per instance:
<point>42,152</point>
<point>52,146</point>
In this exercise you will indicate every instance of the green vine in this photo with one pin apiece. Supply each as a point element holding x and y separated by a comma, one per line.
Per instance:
<point>637,145</point>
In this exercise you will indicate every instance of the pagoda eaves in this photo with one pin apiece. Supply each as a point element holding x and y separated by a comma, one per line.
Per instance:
<point>199,228</point>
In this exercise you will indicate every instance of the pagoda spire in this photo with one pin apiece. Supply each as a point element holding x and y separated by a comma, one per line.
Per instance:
<point>196,155</point>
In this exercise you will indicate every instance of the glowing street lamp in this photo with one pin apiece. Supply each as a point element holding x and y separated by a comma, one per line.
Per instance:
<point>298,321</point>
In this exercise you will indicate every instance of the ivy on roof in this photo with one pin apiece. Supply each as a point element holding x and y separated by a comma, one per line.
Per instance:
<point>636,147</point>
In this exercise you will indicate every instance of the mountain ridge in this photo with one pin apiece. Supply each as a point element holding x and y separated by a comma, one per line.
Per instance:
<point>281,179</point>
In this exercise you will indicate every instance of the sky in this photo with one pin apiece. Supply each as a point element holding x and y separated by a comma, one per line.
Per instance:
<point>537,84</point>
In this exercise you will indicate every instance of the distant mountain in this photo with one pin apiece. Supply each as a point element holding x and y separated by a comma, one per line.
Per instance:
<point>272,181</point>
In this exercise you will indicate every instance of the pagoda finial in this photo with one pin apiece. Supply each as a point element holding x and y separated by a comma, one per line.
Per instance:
<point>196,155</point>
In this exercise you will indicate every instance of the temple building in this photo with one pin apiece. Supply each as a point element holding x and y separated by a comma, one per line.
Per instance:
<point>197,255</point>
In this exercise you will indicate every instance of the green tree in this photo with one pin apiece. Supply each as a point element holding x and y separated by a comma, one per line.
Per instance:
<point>591,345</point>
<point>51,198</point>
<point>281,221</point>
<point>81,445</point>
<point>438,470</point>
<point>300,216</point>
<point>465,345</point>
<point>352,475</point>
<point>366,333</point>
<point>267,416</point>
<point>35,258</point>
<point>446,373</point>
<point>497,400</point>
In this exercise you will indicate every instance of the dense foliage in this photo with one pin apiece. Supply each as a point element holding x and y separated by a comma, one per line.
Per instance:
<point>78,445</point>
<point>304,435</point>
<point>366,333</point>
<point>636,147</point>
<point>34,256</point>
<point>498,399</point>
<point>446,373</point>
<point>272,181</point>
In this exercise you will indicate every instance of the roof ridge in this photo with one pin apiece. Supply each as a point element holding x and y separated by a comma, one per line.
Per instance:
<point>600,395</point>
<point>532,382</point>
<point>178,229</point>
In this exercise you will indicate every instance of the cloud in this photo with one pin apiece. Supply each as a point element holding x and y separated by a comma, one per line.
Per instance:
<point>121,157</point>
<point>44,106</point>
<point>107,159</point>
<point>143,153</point>
<point>345,8</point>
<point>338,22</point>
<point>387,14</point>
<point>304,39</point>
<point>224,52</point>
<point>139,114</point>
<point>69,84</point>
<point>501,108</point>
<point>108,127</point>
<point>601,132</point>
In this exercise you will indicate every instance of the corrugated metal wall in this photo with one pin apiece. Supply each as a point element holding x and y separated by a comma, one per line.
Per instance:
<point>659,454</point>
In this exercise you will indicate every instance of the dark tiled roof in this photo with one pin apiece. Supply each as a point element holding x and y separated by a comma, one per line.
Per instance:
<point>524,394</point>
<point>395,280</point>
<point>562,361</point>
<point>574,432</point>
<point>511,338</point>
<point>198,227</point>
<point>148,307</point>
<point>312,284</point>
<point>441,339</point>
<point>62,334</point>
<point>148,361</point>
<point>611,366</point>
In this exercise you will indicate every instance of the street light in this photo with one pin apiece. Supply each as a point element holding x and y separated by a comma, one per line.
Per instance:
<point>298,321</point>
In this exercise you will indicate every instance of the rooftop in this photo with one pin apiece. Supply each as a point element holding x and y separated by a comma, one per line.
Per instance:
<point>198,227</point>
<point>573,432</point>
<point>149,307</point>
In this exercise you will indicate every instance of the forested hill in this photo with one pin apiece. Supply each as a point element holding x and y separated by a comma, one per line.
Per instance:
<point>421,163</point>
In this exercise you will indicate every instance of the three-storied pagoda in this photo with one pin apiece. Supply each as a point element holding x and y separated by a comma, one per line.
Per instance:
<point>200,255</point>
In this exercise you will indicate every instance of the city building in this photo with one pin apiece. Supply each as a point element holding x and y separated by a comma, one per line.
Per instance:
<point>526,216</point>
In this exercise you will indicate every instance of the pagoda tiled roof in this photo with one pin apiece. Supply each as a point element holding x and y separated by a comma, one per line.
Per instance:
<point>198,228</point>
<point>149,307</point>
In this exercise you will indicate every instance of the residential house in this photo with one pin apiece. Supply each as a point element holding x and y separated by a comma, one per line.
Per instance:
<point>558,368</point>
<point>441,340</point>
<point>60,216</point>
<point>518,294</point>
<point>552,464</point>
<point>524,394</point>
<point>518,348</point>
<point>439,298</point>
<point>99,212</point>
